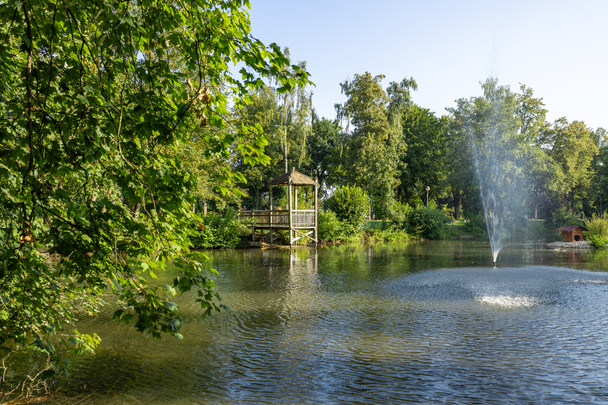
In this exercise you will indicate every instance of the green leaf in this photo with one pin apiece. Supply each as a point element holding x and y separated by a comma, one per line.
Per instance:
<point>82,99</point>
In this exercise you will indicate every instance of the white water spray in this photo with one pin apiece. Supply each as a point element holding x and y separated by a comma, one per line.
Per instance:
<point>498,166</point>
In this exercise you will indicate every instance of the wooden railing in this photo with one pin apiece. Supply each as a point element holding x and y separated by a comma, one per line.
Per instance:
<point>299,218</point>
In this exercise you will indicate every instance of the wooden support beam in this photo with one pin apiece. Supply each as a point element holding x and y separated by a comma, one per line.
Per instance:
<point>303,234</point>
<point>289,214</point>
<point>316,211</point>
<point>270,214</point>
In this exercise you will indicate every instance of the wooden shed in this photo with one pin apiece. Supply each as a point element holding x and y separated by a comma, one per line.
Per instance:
<point>571,233</point>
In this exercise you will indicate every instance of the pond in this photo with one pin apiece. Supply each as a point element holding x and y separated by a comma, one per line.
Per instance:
<point>428,322</point>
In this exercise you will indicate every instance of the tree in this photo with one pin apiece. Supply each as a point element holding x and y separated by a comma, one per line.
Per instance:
<point>572,146</point>
<point>424,164</point>
<point>365,109</point>
<point>600,177</point>
<point>507,131</point>
<point>296,112</point>
<point>262,111</point>
<point>93,197</point>
<point>285,119</point>
<point>324,149</point>
<point>373,149</point>
<point>485,130</point>
<point>350,204</point>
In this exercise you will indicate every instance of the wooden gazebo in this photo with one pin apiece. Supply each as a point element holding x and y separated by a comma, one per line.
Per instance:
<point>299,223</point>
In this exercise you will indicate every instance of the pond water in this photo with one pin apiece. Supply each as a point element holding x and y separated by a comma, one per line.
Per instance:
<point>428,322</point>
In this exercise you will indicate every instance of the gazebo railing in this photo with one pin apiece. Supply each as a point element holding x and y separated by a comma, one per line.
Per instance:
<point>278,218</point>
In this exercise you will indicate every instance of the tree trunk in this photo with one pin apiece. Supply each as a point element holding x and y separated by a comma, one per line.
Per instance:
<point>257,199</point>
<point>457,203</point>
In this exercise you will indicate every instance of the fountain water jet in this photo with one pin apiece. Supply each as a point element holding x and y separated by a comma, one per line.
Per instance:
<point>498,163</point>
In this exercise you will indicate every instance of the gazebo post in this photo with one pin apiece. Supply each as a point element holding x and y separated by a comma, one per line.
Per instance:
<point>270,214</point>
<point>289,214</point>
<point>316,209</point>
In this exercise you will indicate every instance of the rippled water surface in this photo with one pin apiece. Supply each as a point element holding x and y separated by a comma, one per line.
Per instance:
<point>428,322</point>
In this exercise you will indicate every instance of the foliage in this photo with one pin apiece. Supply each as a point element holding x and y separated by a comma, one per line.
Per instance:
<point>350,204</point>
<point>597,230</point>
<point>371,154</point>
<point>572,147</point>
<point>599,183</point>
<point>324,150</point>
<point>425,163</point>
<point>217,231</point>
<point>391,234</point>
<point>331,229</point>
<point>425,222</point>
<point>285,119</point>
<point>397,212</point>
<point>563,217</point>
<point>93,198</point>
<point>475,224</point>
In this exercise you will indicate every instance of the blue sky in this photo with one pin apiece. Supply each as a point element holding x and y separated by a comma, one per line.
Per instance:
<point>558,48</point>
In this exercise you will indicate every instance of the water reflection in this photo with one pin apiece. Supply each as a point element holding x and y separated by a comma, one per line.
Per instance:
<point>428,322</point>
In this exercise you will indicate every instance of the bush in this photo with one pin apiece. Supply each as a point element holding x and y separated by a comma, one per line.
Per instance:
<point>563,217</point>
<point>425,222</point>
<point>351,205</point>
<point>218,232</point>
<point>390,235</point>
<point>597,232</point>
<point>398,212</point>
<point>332,229</point>
<point>475,225</point>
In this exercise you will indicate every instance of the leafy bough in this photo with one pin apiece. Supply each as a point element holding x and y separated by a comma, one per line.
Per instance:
<point>95,97</point>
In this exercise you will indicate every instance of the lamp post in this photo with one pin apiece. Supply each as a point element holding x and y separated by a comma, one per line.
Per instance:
<point>427,188</point>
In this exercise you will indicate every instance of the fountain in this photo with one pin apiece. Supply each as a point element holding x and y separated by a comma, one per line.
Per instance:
<point>498,163</point>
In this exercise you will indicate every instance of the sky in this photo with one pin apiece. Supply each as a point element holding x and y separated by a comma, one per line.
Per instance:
<point>557,48</point>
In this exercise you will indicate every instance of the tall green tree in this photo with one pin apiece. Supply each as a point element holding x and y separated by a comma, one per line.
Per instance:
<point>424,164</point>
<point>324,150</point>
<point>262,111</point>
<point>511,129</point>
<point>486,130</point>
<point>599,194</point>
<point>285,117</point>
<point>572,146</point>
<point>373,148</point>
<point>93,200</point>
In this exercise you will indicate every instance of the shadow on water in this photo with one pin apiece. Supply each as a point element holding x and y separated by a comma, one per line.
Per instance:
<point>428,322</point>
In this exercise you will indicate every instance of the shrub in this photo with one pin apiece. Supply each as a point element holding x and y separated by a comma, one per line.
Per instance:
<point>563,217</point>
<point>332,229</point>
<point>398,212</point>
<point>475,225</point>
<point>597,232</point>
<point>425,222</point>
<point>351,205</point>
<point>390,235</point>
<point>218,232</point>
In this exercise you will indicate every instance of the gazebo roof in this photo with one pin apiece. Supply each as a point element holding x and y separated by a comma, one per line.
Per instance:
<point>569,228</point>
<point>297,179</point>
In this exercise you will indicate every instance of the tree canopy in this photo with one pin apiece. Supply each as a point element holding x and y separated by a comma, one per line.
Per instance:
<point>95,98</point>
